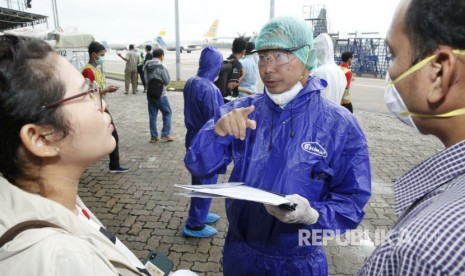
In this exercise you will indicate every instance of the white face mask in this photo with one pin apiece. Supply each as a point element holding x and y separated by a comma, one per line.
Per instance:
<point>287,96</point>
<point>395,104</point>
<point>394,101</point>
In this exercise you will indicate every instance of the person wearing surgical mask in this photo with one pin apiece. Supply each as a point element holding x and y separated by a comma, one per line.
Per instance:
<point>396,105</point>
<point>92,72</point>
<point>425,89</point>
<point>291,141</point>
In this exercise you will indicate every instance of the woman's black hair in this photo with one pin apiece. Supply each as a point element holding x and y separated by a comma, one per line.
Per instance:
<point>28,81</point>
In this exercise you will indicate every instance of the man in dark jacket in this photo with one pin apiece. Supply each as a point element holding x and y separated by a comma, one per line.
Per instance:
<point>148,56</point>
<point>232,72</point>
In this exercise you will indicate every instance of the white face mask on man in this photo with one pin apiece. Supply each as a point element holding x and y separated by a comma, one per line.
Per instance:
<point>284,98</point>
<point>396,105</point>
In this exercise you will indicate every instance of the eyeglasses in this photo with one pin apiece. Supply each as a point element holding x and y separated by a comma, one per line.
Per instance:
<point>277,57</point>
<point>93,91</point>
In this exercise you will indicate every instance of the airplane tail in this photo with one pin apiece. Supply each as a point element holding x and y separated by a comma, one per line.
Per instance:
<point>161,42</point>
<point>162,32</point>
<point>212,31</point>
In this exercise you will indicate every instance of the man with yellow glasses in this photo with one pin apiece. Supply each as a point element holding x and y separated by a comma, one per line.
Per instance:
<point>427,92</point>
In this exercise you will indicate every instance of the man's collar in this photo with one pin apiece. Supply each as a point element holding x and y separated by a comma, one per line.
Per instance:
<point>233,56</point>
<point>429,175</point>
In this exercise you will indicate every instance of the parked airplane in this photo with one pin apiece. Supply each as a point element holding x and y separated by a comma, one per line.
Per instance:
<point>189,46</point>
<point>159,41</point>
<point>123,45</point>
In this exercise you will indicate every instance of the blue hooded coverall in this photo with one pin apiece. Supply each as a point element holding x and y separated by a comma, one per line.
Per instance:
<point>201,100</point>
<point>313,148</point>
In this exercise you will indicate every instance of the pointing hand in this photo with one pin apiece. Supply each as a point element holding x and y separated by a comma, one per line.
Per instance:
<point>236,123</point>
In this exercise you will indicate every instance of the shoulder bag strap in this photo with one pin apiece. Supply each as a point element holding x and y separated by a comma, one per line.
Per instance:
<point>11,233</point>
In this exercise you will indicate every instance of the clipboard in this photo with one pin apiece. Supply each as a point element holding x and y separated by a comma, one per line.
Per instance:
<point>237,190</point>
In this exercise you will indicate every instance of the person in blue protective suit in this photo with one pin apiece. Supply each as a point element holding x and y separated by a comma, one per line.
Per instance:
<point>201,99</point>
<point>288,140</point>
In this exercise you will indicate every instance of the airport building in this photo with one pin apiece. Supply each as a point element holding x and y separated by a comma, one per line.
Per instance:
<point>71,44</point>
<point>13,15</point>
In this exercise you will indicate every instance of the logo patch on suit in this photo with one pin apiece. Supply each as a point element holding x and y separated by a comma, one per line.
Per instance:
<point>314,148</point>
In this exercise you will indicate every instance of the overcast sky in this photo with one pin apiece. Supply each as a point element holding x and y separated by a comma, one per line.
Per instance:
<point>141,20</point>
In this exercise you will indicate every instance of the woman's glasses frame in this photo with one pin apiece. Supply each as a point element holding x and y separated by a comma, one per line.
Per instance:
<point>94,87</point>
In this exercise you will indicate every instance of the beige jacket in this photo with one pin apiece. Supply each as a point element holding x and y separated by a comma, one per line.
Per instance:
<point>77,249</point>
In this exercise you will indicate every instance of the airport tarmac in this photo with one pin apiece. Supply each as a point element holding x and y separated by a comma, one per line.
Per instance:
<point>143,209</point>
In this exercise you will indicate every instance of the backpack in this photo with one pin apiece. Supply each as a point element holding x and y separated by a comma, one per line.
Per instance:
<point>222,81</point>
<point>155,88</point>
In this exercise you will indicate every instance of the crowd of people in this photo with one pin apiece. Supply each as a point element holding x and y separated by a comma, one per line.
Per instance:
<point>297,137</point>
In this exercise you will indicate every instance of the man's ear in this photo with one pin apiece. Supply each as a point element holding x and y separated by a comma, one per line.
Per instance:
<point>36,139</point>
<point>442,74</point>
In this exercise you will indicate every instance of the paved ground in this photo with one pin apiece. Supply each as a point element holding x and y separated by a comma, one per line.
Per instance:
<point>142,207</point>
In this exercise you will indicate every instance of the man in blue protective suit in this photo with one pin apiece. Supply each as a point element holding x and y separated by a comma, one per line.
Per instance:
<point>201,100</point>
<point>288,140</point>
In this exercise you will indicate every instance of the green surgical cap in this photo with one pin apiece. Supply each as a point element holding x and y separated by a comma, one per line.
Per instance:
<point>289,32</point>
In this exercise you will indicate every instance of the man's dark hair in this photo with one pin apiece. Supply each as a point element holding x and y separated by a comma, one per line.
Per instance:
<point>95,47</point>
<point>148,48</point>
<point>158,53</point>
<point>346,56</point>
<point>239,44</point>
<point>131,46</point>
<point>430,23</point>
<point>250,47</point>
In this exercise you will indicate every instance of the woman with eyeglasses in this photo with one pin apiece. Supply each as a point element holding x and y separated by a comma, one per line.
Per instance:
<point>52,127</point>
<point>288,140</point>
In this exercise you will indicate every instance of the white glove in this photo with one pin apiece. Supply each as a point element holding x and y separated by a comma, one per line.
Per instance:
<point>183,272</point>
<point>303,212</point>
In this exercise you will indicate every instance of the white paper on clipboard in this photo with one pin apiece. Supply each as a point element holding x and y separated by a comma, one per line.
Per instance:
<point>235,190</point>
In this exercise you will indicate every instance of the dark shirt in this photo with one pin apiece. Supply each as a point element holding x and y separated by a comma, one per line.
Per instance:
<point>230,72</point>
<point>235,74</point>
<point>148,57</point>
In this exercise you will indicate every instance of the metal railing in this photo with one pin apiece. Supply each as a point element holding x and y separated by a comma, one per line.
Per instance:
<point>19,5</point>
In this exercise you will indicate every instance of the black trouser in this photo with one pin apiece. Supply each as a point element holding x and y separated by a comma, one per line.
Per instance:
<point>349,107</point>
<point>114,155</point>
<point>141,74</point>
